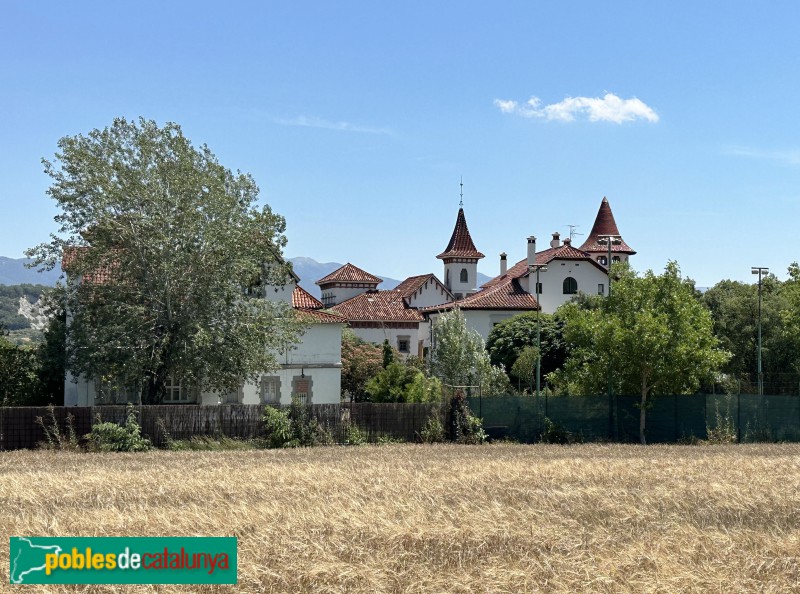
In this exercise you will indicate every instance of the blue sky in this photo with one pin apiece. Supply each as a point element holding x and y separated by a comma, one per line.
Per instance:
<point>357,119</point>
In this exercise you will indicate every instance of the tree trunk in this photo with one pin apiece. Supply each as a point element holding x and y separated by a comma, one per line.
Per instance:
<point>643,412</point>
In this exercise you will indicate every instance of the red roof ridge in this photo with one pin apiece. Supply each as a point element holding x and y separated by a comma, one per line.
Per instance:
<point>350,274</point>
<point>386,306</point>
<point>319,316</point>
<point>461,244</point>
<point>507,294</point>
<point>302,299</point>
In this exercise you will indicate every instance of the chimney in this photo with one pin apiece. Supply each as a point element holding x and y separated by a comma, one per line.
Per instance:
<point>567,241</point>
<point>556,237</point>
<point>503,264</point>
<point>531,250</point>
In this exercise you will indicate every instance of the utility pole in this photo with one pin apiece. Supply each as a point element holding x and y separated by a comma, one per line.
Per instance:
<point>761,271</point>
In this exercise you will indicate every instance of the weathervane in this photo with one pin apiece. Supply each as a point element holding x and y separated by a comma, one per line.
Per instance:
<point>461,202</point>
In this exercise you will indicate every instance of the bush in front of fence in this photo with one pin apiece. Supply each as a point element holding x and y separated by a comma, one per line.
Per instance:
<point>111,437</point>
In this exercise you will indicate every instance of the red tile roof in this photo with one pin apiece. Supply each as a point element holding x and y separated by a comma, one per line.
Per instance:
<point>349,274</point>
<point>605,224</point>
<point>460,245</point>
<point>562,252</point>
<point>302,299</point>
<point>319,317</point>
<point>72,254</point>
<point>507,294</point>
<point>384,306</point>
<point>413,284</point>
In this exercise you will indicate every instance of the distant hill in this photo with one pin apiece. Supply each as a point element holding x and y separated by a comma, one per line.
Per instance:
<point>13,272</point>
<point>310,271</point>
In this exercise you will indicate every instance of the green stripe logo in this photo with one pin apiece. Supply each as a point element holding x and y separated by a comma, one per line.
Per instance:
<point>122,560</point>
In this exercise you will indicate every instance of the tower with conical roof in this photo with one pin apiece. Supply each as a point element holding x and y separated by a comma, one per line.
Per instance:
<point>595,244</point>
<point>460,258</point>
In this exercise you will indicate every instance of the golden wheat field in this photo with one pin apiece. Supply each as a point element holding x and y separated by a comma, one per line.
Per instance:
<point>414,518</point>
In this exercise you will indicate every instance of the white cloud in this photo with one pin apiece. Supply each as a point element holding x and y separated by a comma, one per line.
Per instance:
<point>608,108</point>
<point>787,157</point>
<point>314,122</point>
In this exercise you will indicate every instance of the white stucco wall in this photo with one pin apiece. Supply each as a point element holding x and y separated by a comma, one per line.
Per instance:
<point>377,336</point>
<point>456,286</point>
<point>432,294</point>
<point>341,294</point>
<point>480,320</point>
<point>585,274</point>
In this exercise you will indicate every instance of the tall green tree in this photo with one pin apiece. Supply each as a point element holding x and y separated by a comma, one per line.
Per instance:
<point>458,356</point>
<point>653,334</point>
<point>734,311</point>
<point>361,361</point>
<point>166,251</point>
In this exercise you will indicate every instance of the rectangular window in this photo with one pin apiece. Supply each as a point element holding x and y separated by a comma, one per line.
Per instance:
<point>404,344</point>
<point>270,390</point>
<point>110,393</point>
<point>538,288</point>
<point>601,289</point>
<point>302,390</point>
<point>175,392</point>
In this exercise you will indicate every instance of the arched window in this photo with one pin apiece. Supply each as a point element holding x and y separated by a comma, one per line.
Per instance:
<point>602,260</point>
<point>570,286</point>
<point>464,275</point>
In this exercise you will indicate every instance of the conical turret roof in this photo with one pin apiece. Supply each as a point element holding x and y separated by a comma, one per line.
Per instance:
<point>461,245</point>
<point>605,224</point>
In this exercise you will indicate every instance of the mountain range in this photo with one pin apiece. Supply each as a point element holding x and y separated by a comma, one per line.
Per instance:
<point>14,272</point>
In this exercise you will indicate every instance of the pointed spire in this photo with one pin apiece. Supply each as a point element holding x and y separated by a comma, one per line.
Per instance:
<point>461,245</point>
<point>605,224</point>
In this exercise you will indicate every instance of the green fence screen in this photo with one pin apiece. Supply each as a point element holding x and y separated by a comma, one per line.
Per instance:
<point>670,418</point>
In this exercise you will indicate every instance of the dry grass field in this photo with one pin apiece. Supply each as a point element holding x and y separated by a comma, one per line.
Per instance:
<point>412,518</point>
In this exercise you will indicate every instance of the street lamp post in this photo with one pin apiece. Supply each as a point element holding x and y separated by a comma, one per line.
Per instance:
<point>761,271</point>
<point>609,240</point>
<point>538,268</point>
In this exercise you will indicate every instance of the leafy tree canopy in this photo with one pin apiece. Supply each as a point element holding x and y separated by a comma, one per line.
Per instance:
<point>653,333</point>
<point>510,337</point>
<point>458,356</point>
<point>171,248</point>
<point>734,311</point>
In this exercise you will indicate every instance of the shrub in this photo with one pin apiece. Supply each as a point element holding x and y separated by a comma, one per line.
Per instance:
<point>353,435</point>
<point>464,426</point>
<point>293,428</point>
<point>723,431</point>
<point>433,430</point>
<point>55,439</point>
<point>557,433</point>
<point>111,437</point>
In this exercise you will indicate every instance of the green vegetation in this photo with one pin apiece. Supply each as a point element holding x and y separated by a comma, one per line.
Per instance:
<point>177,253</point>
<point>361,361</point>
<point>651,337</point>
<point>509,340</point>
<point>112,437</point>
<point>9,304</point>
<point>458,356</point>
<point>293,428</point>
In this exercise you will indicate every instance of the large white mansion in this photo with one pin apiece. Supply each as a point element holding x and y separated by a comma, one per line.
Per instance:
<point>403,315</point>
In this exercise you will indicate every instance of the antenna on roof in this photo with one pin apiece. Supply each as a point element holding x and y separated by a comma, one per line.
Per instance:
<point>572,232</point>
<point>461,202</point>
